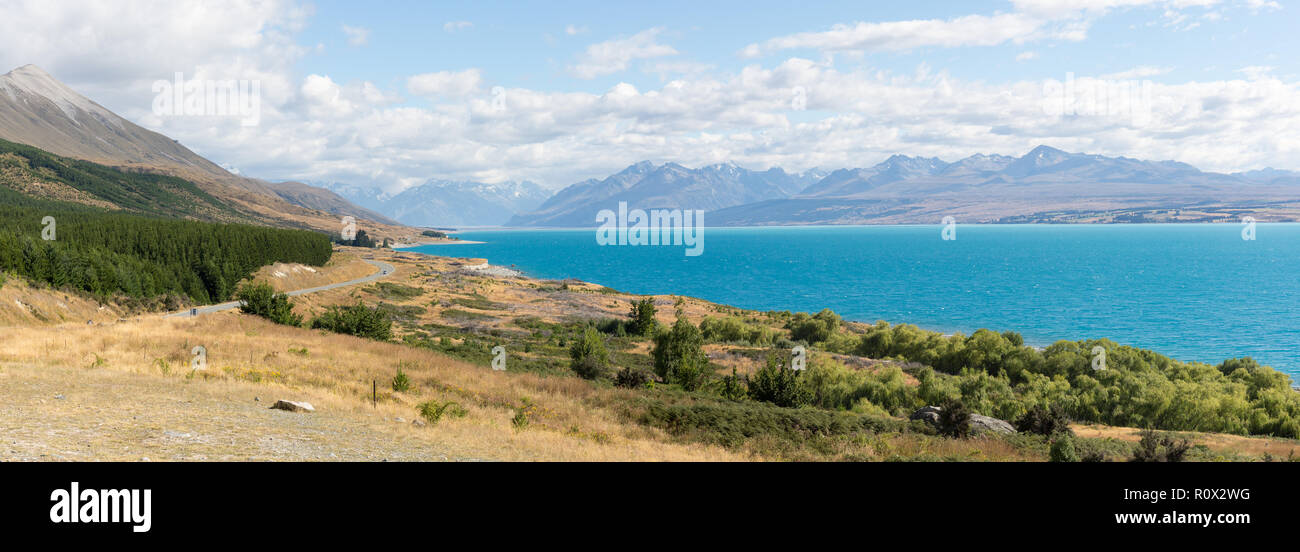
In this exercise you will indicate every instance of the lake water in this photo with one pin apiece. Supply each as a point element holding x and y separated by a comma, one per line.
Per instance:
<point>1190,291</point>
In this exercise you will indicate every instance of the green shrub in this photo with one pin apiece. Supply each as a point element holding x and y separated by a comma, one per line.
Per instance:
<point>588,356</point>
<point>432,411</point>
<point>401,383</point>
<point>1160,448</point>
<point>632,378</point>
<point>1044,421</point>
<point>733,329</point>
<point>679,356</point>
<point>776,383</point>
<point>262,300</point>
<point>815,328</point>
<point>954,419</point>
<point>642,317</point>
<point>1063,449</point>
<point>733,387</point>
<point>358,320</point>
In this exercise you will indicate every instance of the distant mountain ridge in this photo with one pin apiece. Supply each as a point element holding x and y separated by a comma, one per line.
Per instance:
<point>669,185</point>
<point>1043,185</point>
<point>444,203</point>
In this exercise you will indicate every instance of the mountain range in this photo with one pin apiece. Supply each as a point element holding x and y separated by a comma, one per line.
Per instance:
<point>1044,185</point>
<point>442,203</point>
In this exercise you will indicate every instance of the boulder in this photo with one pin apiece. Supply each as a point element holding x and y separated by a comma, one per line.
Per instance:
<point>293,406</point>
<point>978,422</point>
<point>930,414</point>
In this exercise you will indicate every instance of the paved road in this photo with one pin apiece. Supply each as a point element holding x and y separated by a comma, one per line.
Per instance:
<point>384,270</point>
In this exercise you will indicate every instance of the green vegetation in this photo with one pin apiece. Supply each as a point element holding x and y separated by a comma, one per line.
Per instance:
<point>358,320</point>
<point>139,193</point>
<point>433,234</point>
<point>679,356</point>
<point>776,383</point>
<point>1160,448</point>
<point>111,253</point>
<point>590,358</point>
<point>732,329</point>
<point>642,318</point>
<point>433,411</point>
<point>262,300</point>
<point>401,382</point>
<point>999,376</point>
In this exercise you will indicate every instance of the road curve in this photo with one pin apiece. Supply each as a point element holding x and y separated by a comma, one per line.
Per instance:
<point>384,270</point>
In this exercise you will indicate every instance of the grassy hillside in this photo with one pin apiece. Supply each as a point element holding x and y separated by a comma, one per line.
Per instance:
<point>39,174</point>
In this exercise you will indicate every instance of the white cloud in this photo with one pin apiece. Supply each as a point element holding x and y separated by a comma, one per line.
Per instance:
<point>1026,56</point>
<point>613,56</point>
<point>453,26</point>
<point>445,83</point>
<point>1138,73</point>
<point>357,36</point>
<point>1032,20</point>
<point>319,128</point>
<point>573,30</point>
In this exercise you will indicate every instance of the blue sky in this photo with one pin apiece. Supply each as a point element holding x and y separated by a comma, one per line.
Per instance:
<point>391,94</point>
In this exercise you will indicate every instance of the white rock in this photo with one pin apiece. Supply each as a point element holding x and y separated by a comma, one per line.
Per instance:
<point>293,406</point>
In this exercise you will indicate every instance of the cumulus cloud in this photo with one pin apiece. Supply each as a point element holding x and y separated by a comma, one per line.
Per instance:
<point>320,127</point>
<point>613,56</point>
<point>1032,20</point>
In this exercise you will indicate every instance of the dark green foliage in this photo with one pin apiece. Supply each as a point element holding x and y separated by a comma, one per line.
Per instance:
<point>1044,421</point>
<point>679,356</point>
<point>433,234</point>
<point>776,383</point>
<point>360,240</point>
<point>632,378</point>
<point>134,192</point>
<point>1063,449</point>
<point>262,300</point>
<point>732,424</point>
<point>1000,376</point>
<point>954,419</point>
<point>642,317</point>
<point>1160,448</point>
<point>588,356</point>
<point>733,387</point>
<point>358,320</point>
<point>111,253</point>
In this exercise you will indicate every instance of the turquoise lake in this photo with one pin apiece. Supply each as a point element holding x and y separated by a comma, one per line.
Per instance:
<point>1191,291</point>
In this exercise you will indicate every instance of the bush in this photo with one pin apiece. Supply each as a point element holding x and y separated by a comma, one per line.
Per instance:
<point>778,384</point>
<point>401,383</point>
<point>679,356</point>
<point>954,419</point>
<point>358,320</point>
<point>815,328</point>
<point>1160,448</point>
<point>642,317</point>
<point>1063,449</point>
<point>262,300</point>
<point>733,329</point>
<point>632,378</point>
<point>433,411</point>
<point>733,387</point>
<point>1044,421</point>
<point>588,356</point>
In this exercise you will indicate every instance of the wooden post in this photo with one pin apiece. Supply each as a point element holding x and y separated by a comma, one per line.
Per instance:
<point>374,393</point>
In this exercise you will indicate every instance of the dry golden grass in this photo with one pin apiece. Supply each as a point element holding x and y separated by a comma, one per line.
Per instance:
<point>1218,442</point>
<point>126,378</point>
